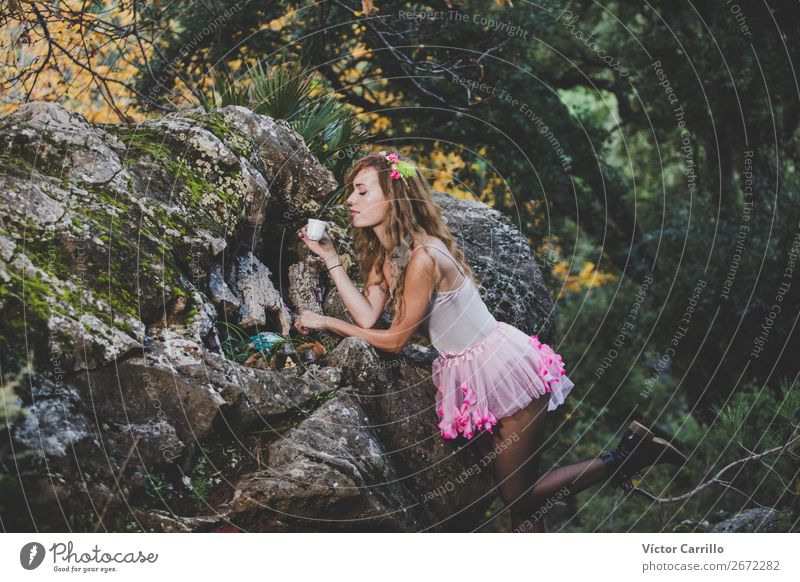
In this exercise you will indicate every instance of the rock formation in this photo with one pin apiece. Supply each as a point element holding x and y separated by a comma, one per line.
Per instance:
<point>128,254</point>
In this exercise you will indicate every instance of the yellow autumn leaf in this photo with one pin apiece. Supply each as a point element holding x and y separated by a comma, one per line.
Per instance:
<point>586,279</point>
<point>359,51</point>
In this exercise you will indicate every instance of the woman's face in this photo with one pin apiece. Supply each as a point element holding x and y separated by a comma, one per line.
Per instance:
<point>368,205</point>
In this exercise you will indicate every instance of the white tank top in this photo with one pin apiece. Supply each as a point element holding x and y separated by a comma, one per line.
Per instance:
<point>456,319</point>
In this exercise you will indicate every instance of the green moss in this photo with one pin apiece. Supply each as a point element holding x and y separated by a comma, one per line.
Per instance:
<point>111,199</point>
<point>196,186</point>
<point>135,264</point>
<point>45,251</point>
<point>16,165</point>
<point>113,285</point>
<point>125,327</point>
<point>206,193</point>
<point>142,141</point>
<point>24,330</point>
<point>214,122</point>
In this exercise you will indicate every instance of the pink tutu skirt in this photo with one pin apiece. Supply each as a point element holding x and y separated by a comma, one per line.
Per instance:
<point>494,378</point>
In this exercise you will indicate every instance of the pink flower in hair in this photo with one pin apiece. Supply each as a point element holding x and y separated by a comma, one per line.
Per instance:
<point>400,169</point>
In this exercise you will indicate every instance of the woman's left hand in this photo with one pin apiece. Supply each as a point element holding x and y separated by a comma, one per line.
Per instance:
<point>310,320</point>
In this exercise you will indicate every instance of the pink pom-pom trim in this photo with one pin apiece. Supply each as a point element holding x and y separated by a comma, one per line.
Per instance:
<point>469,418</point>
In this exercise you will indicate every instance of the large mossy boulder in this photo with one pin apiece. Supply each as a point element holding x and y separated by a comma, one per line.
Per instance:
<point>125,251</point>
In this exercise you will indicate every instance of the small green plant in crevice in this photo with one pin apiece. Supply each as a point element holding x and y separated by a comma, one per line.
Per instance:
<point>200,482</point>
<point>295,417</point>
<point>235,343</point>
<point>279,426</point>
<point>322,397</point>
<point>158,485</point>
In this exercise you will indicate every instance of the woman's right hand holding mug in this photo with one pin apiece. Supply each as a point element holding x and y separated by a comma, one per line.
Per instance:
<point>323,247</point>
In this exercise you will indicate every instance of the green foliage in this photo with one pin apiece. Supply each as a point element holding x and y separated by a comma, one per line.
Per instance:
<point>758,418</point>
<point>318,400</point>
<point>235,342</point>
<point>158,485</point>
<point>200,481</point>
<point>222,93</point>
<point>287,92</point>
<point>754,420</point>
<point>281,93</point>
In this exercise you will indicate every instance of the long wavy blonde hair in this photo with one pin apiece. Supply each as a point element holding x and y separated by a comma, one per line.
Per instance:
<point>411,212</point>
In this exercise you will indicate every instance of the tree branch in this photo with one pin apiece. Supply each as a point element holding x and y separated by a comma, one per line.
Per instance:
<point>717,479</point>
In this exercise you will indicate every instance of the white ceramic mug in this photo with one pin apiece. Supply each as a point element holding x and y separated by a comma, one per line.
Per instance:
<point>315,229</point>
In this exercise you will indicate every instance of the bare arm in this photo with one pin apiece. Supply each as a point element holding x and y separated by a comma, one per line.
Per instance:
<point>417,290</point>
<point>365,309</point>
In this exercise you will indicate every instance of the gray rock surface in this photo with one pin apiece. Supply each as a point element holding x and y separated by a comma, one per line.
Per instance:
<point>121,273</point>
<point>755,520</point>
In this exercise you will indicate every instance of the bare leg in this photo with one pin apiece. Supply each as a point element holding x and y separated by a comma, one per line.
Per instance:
<point>519,439</point>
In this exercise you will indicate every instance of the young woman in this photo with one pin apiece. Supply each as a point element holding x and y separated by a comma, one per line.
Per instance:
<point>495,383</point>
